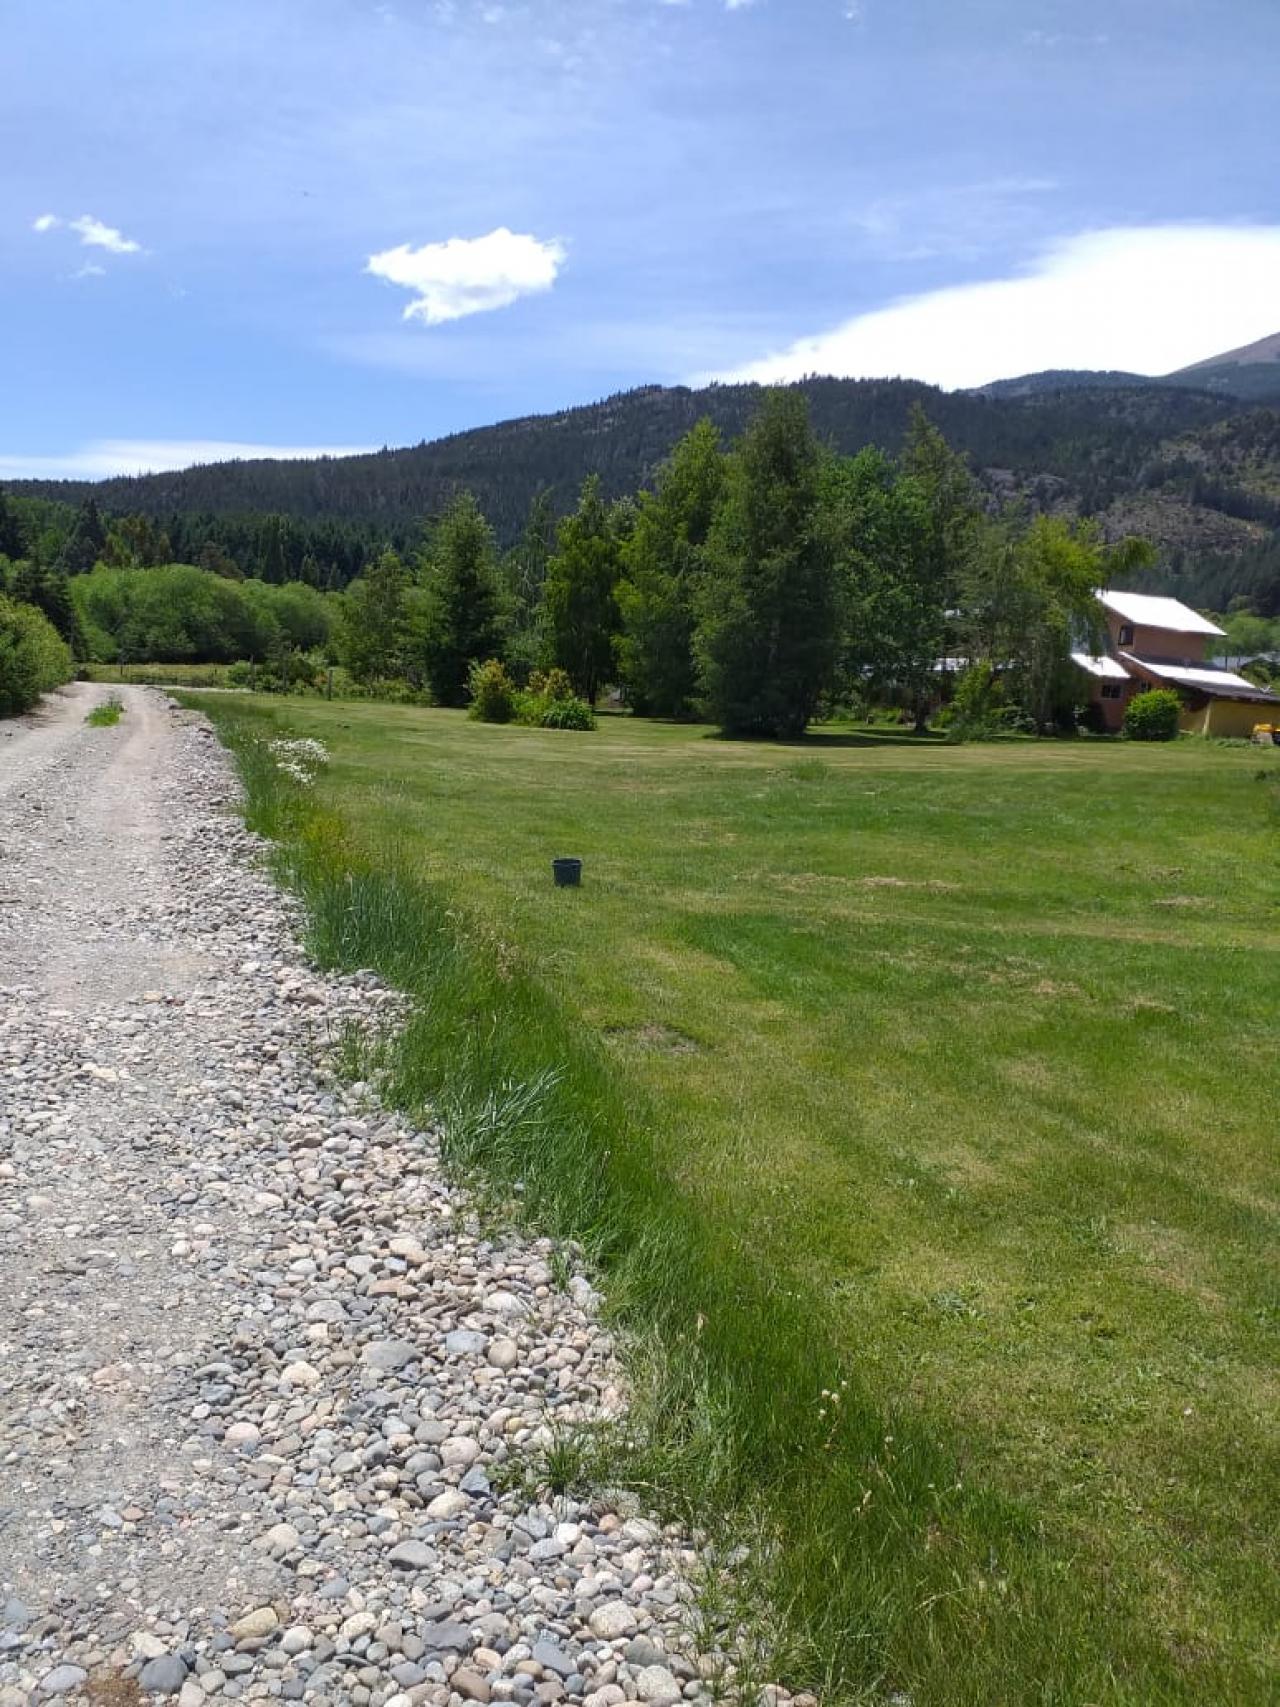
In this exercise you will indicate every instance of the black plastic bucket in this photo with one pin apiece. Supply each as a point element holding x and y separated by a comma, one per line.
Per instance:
<point>567,873</point>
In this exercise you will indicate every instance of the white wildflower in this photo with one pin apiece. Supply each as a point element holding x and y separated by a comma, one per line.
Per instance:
<point>300,759</point>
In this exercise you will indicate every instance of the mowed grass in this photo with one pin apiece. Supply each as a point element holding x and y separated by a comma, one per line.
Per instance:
<point>955,1069</point>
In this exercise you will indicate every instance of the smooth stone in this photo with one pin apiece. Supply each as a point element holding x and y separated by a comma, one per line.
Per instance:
<point>656,1685</point>
<point>62,1679</point>
<point>260,1622</point>
<point>613,1620</point>
<point>164,1675</point>
<point>390,1355</point>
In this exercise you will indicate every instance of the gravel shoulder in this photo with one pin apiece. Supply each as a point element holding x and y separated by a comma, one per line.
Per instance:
<point>265,1388</point>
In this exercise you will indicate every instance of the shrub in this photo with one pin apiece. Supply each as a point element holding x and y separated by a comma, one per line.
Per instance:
<point>1153,716</point>
<point>493,698</point>
<point>556,684</point>
<point>540,711</point>
<point>33,657</point>
<point>570,713</point>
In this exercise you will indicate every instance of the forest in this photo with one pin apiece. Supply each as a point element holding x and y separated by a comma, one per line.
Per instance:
<point>759,583</point>
<point>1197,473</point>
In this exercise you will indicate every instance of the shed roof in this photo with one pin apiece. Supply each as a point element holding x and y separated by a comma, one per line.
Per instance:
<point>1104,667</point>
<point>1146,610</point>
<point>1218,684</point>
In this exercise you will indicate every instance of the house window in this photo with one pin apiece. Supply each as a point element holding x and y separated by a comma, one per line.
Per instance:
<point>1111,690</point>
<point>1126,634</point>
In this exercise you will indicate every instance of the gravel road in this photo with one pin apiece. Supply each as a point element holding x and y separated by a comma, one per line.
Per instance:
<point>265,1387</point>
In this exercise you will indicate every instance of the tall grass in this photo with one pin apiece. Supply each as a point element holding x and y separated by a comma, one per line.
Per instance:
<point>872,1568</point>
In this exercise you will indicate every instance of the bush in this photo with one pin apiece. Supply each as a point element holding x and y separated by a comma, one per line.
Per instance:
<point>493,698</point>
<point>1153,716</point>
<point>33,657</point>
<point>977,709</point>
<point>571,713</point>
<point>540,711</point>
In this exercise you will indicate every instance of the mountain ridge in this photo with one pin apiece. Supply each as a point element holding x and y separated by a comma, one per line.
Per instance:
<point>1196,470</point>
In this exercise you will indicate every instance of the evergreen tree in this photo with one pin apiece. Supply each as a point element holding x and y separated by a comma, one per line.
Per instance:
<point>136,542</point>
<point>371,631</point>
<point>661,562</point>
<point>215,561</point>
<point>13,541</point>
<point>86,542</point>
<point>525,566</point>
<point>272,563</point>
<point>524,576</point>
<point>768,639</point>
<point>462,621</point>
<point>580,610</point>
<point>49,591</point>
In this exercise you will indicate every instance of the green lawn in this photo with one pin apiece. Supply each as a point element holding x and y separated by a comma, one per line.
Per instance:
<point>968,1056</point>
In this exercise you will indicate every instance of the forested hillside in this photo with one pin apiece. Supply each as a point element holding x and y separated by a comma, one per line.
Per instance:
<point>1197,473</point>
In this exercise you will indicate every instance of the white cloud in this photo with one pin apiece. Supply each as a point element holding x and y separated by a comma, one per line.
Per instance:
<point>1148,299</point>
<point>469,275</point>
<point>104,457</point>
<point>738,5</point>
<point>90,270</point>
<point>93,233</point>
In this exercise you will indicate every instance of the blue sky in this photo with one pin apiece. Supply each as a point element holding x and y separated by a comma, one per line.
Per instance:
<point>333,223</point>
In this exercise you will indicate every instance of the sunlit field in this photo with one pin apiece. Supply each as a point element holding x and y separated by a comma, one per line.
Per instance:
<point>948,1072</point>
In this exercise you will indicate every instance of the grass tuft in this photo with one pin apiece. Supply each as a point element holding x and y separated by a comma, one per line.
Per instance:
<point>106,715</point>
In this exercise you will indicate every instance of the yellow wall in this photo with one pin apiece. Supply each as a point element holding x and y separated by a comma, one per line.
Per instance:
<point>1229,718</point>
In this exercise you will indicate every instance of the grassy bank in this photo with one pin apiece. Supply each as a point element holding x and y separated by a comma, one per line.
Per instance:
<point>942,1073</point>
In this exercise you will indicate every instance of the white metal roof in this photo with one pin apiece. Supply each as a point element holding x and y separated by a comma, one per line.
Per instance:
<point>1105,667</point>
<point>1215,681</point>
<point>1145,610</point>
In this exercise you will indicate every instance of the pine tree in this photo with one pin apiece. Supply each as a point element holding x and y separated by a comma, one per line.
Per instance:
<point>768,638</point>
<point>49,590</point>
<point>580,609</point>
<point>371,630</point>
<point>13,542</point>
<point>661,562</point>
<point>86,542</point>
<point>462,622</point>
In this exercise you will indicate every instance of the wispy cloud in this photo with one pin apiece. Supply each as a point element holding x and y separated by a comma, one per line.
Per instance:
<point>1051,39</point>
<point>959,221</point>
<point>102,458</point>
<point>93,233</point>
<point>1148,299</point>
<point>469,275</point>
